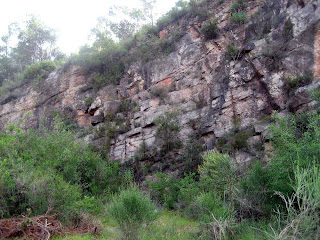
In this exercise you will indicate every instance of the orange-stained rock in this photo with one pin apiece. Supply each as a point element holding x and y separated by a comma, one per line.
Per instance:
<point>164,83</point>
<point>163,34</point>
<point>194,33</point>
<point>83,119</point>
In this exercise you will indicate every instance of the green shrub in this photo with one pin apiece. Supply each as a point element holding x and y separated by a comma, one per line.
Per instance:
<point>288,30</point>
<point>100,80</point>
<point>293,147</point>
<point>39,70</point>
<point>42,168</point>
<point>165,190</point>
<point>126,106</point>
<point>108,63</point>
<point>167,132</point>
<point>210,30</point>
<point>219,172</point>
<point>239,5</point>
<point>301,217</point>
<point>192,156</point>
<point>180,10</point>
<point>159,92</point>
<point>275,55</point>
<point>240,140</point>
<point>292,84</point>
<point>131,209</point>
<point>88,101</point>
<point>239,17</point>
<point>173,192</point>
<point>234,141</point>
<point>232,52</point>
<point>23,188</point>
<point>256,189</point>
<point>207,204</point>
<point>189,189</point>
<point>199,8</point>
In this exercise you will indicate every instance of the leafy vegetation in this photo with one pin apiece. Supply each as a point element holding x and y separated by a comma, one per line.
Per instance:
<point>23,46</point>
<point>232,52</point>
<point>43,169</point>
<point>131,209</point>
<point>167,133</point>
<point>293,83</point>
<point>238,12</point>
<point>39,70</point>
<point>159,92</point>
<point>239,17</point>
<point>210,30</point>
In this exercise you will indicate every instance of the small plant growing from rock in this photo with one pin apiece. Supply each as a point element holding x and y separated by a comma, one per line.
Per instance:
<point>238,6</point>
<point>232,52</point>
<point>239,17</point>
<point>210,30</point>
<point>293,83</point>
<point>275,55</point>
<point>88,101</point>
<point>288,31</point>
<point>238,12</point>
<point>159,92</point>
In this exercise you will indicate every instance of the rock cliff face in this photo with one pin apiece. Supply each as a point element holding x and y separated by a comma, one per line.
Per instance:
<point>213,91</point>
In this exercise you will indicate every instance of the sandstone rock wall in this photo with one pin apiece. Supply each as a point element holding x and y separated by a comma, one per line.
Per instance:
<point>209,91</point>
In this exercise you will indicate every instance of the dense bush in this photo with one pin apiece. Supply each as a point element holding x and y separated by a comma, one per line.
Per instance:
<point>131,208</point>
<point>295,142</point>
<point>207,204</point>
<point>192,155</point>
<point>174,193</point>
<point>302,219</point>
<point>219,172</point>
<point>256,189</point>
<point>294,147</point>
<point>238,12</point>
<point>159,92</point>
<point>24,187</point>
<point>168,132</point>
<point>39,70</point>
<point>108,64</point>
<point>165,190</point>
<point>41,169</point>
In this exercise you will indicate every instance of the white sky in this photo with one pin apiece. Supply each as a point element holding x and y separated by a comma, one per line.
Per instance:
<point>72,19</point>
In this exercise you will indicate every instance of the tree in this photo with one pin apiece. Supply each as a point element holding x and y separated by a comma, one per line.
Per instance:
<point>148,9</point>
<point>24,45</point>
<point>121,23</point>
<point>7,66</point>
<point>36,43</point>
<point>6,48</point>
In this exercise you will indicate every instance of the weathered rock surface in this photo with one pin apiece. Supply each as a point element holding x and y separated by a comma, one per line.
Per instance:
<point>201,84</point>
